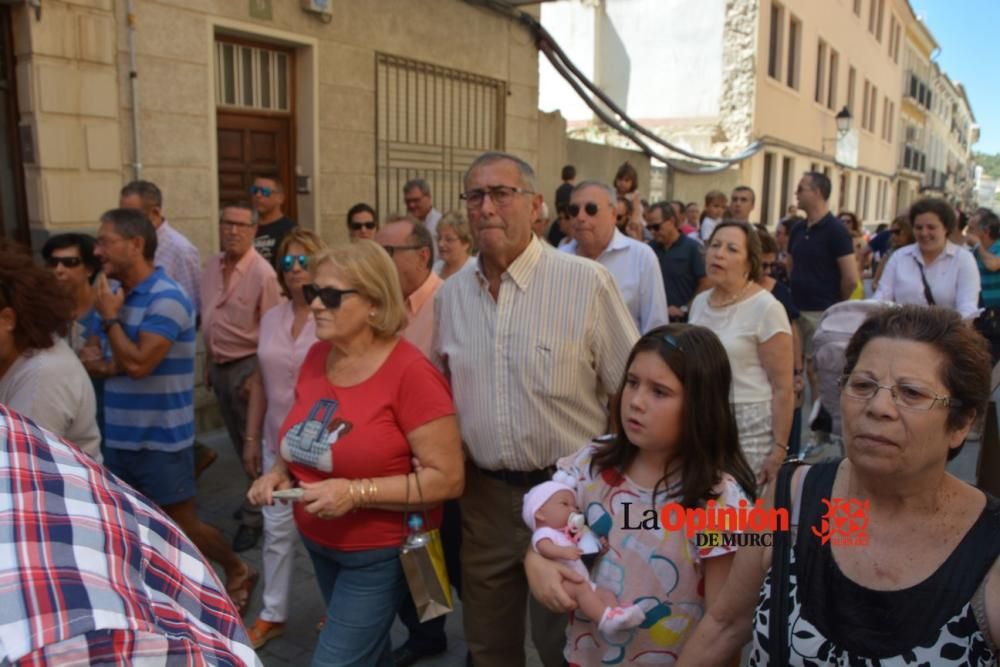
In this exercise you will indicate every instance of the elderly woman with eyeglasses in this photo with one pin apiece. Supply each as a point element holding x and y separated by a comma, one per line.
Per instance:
<point>366,404</point>
<point>912,576</point>
<point>287,332</point>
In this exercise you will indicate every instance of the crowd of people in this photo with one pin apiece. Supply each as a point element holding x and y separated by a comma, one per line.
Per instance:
<point>624,356</point>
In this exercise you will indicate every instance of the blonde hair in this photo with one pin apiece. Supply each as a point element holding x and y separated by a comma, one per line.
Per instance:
<point>368,268</point>
<point>304,237</point>
<point>458,224</point>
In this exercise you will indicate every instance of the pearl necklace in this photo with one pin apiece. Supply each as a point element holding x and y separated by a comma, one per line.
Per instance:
<point>739,295</point>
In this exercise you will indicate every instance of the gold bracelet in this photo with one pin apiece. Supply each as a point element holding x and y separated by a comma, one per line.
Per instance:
<point>354,500</point>
<point>372,489</point>
<point>364,495</point>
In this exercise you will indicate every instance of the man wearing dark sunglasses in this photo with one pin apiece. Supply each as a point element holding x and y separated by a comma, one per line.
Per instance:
<point>362,222</point>
<point>632,263</point>
<point>682,262</point>
<point>238,287</point>
<point>268,193</point>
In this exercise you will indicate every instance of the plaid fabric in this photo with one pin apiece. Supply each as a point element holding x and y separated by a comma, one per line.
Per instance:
<point>91,573</point>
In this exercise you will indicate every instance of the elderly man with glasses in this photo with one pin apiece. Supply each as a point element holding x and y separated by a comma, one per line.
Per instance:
<point>632,263</point>
<point>238,287</point>
<point>534,341</point>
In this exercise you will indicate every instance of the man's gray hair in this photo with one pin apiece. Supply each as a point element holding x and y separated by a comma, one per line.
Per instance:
<point>608,190</point>
<point>245,205</point>
<point>421,237</point>
<point>525,170</point>
<point>417,184</point>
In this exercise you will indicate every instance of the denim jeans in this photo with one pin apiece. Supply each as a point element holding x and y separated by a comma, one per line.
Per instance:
<point>362,590</point>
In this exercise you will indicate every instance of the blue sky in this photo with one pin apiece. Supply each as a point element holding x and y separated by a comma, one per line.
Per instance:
<point>967,33</point>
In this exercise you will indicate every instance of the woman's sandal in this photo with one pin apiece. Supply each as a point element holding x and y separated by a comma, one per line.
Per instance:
<point>241,593</point>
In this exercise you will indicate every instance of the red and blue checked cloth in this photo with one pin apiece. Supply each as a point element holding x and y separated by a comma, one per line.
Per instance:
<point>91,573</point>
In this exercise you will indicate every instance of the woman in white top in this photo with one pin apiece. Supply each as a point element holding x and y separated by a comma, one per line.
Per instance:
<point>287,331</point>
<point>40,376</point>
<point>755,331</point>
<point>933,271</point>
<point>455,246</point>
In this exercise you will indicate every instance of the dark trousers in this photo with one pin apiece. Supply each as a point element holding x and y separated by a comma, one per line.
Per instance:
<point>429,637</point>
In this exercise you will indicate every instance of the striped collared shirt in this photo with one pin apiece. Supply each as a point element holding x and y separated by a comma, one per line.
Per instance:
<point>531,371</point>
<point>156,411</point>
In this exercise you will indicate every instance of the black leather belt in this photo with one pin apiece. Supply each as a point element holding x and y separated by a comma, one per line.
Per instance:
<point>522,478</point>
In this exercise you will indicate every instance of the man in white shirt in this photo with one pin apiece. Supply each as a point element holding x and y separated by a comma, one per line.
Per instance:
<point>632,263</point>
<point>420,204</point>
<point>178,256</point>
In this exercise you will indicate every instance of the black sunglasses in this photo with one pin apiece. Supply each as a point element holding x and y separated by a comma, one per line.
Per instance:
<point>330,297</point>
<point>288,261</point>
<point>590,208</point>
<point>358,226</point>
<point>653,227</point>
<point>68,262</point>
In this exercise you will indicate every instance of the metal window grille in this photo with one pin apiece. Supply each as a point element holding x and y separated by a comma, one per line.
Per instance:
<point>431,123</point>
<point>249,77</point>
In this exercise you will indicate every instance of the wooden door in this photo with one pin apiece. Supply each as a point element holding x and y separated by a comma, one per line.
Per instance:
<point>252,145</point>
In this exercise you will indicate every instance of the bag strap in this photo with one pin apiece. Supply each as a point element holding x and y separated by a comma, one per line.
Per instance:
<point>420,499</point>
<point>781,570</point>
<point>927,288</point>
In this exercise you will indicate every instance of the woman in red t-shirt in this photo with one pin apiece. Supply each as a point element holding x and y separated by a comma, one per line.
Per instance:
<point>366,403</point>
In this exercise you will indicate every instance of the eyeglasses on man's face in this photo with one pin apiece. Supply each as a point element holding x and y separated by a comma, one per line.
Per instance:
<point>590,208</point>
<point>261,190</point>
<point>235,224</point>
<point>363,224</point>
<point>330,297</point>
<point>391,249</point>
<point>500,195</point>
<point>908,395</point>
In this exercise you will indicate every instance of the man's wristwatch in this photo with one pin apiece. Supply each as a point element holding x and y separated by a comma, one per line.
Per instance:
<point>107,324</point>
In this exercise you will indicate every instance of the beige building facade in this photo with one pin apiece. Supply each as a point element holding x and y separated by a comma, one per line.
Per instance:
<point>776,72</point>
<point>344,106</point>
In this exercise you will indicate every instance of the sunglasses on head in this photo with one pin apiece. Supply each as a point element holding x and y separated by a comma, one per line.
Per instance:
<point>358,226</point>
<point>330,297</point>
<point>260,190</point>
<point>590,208</point>
<point>68,262</point>
<point>288,261</point>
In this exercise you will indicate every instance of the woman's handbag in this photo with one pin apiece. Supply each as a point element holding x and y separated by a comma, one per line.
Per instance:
<point>422,557</point>
<point>781,554</point>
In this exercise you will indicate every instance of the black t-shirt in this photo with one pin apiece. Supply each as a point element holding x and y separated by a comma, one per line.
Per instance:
<point>270,236</point>
<point>815,279</point>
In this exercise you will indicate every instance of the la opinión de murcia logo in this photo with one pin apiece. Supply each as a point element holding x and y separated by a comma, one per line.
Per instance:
<point>845,522</point>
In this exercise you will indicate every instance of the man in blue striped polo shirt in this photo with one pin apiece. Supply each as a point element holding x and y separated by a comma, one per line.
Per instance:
<point>149,403</point>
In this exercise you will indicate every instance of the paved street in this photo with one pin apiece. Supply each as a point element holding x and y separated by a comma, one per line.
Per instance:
<point>219,494</point>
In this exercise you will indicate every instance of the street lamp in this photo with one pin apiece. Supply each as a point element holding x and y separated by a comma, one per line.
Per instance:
<point>843,118</point>
<point>844,121</point>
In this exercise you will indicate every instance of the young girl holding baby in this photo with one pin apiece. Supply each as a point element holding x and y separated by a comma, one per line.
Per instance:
<point>676,442</point>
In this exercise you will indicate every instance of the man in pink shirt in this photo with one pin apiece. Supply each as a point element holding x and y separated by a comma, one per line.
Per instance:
<point>237,288</point>
<point>410,244</point>
<point>411,247</point>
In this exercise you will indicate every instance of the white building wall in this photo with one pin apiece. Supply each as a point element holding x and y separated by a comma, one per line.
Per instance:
<point>660,60</point>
